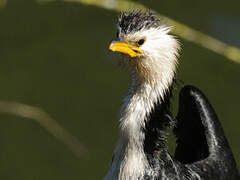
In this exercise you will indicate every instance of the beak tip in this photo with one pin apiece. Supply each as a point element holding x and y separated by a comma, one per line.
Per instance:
<point>112,46</point>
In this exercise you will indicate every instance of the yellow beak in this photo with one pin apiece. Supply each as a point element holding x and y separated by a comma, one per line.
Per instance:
<point>132,51</point>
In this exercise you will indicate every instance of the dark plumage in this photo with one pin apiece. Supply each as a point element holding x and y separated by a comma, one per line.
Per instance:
<point>136,21</point>
<point>202,149</point>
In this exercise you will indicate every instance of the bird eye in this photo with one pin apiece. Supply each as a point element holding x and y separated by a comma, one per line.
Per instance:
<point>140,42</point>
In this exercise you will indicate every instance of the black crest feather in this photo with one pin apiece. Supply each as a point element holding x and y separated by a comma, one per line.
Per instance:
<point>137,20</point>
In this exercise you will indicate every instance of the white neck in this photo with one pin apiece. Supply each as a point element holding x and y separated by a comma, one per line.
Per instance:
<point>152,76</point>
<point>129,161</point>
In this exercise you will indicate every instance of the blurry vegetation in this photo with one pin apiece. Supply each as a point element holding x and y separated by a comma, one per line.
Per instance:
<point>3,3</point>
<point>47,122</point>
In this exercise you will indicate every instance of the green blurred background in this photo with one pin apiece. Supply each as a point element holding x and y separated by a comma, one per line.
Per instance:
<point>55,56</point>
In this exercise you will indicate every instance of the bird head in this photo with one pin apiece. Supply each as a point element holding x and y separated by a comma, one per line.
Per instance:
<point>150,52</point>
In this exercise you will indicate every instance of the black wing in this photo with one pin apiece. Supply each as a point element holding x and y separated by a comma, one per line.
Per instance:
<point>201,143</point>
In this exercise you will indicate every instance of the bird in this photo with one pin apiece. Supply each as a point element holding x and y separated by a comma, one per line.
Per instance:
<point>150,53</point>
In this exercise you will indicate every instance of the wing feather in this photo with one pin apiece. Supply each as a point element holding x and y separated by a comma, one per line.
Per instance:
<point>201,142</point>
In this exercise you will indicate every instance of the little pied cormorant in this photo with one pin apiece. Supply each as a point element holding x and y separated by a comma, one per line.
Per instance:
<point>151,55</point>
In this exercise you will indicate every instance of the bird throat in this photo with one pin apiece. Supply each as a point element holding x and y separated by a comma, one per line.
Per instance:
<point>139,131</point>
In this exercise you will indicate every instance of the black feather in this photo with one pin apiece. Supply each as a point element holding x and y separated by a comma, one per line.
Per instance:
<point>136,21</point>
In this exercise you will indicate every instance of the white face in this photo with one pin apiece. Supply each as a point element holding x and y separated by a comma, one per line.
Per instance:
<point>157,42</point>
<point>157,54</point>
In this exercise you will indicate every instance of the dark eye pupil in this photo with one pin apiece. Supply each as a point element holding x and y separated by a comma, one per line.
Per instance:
<point>140,42</point>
